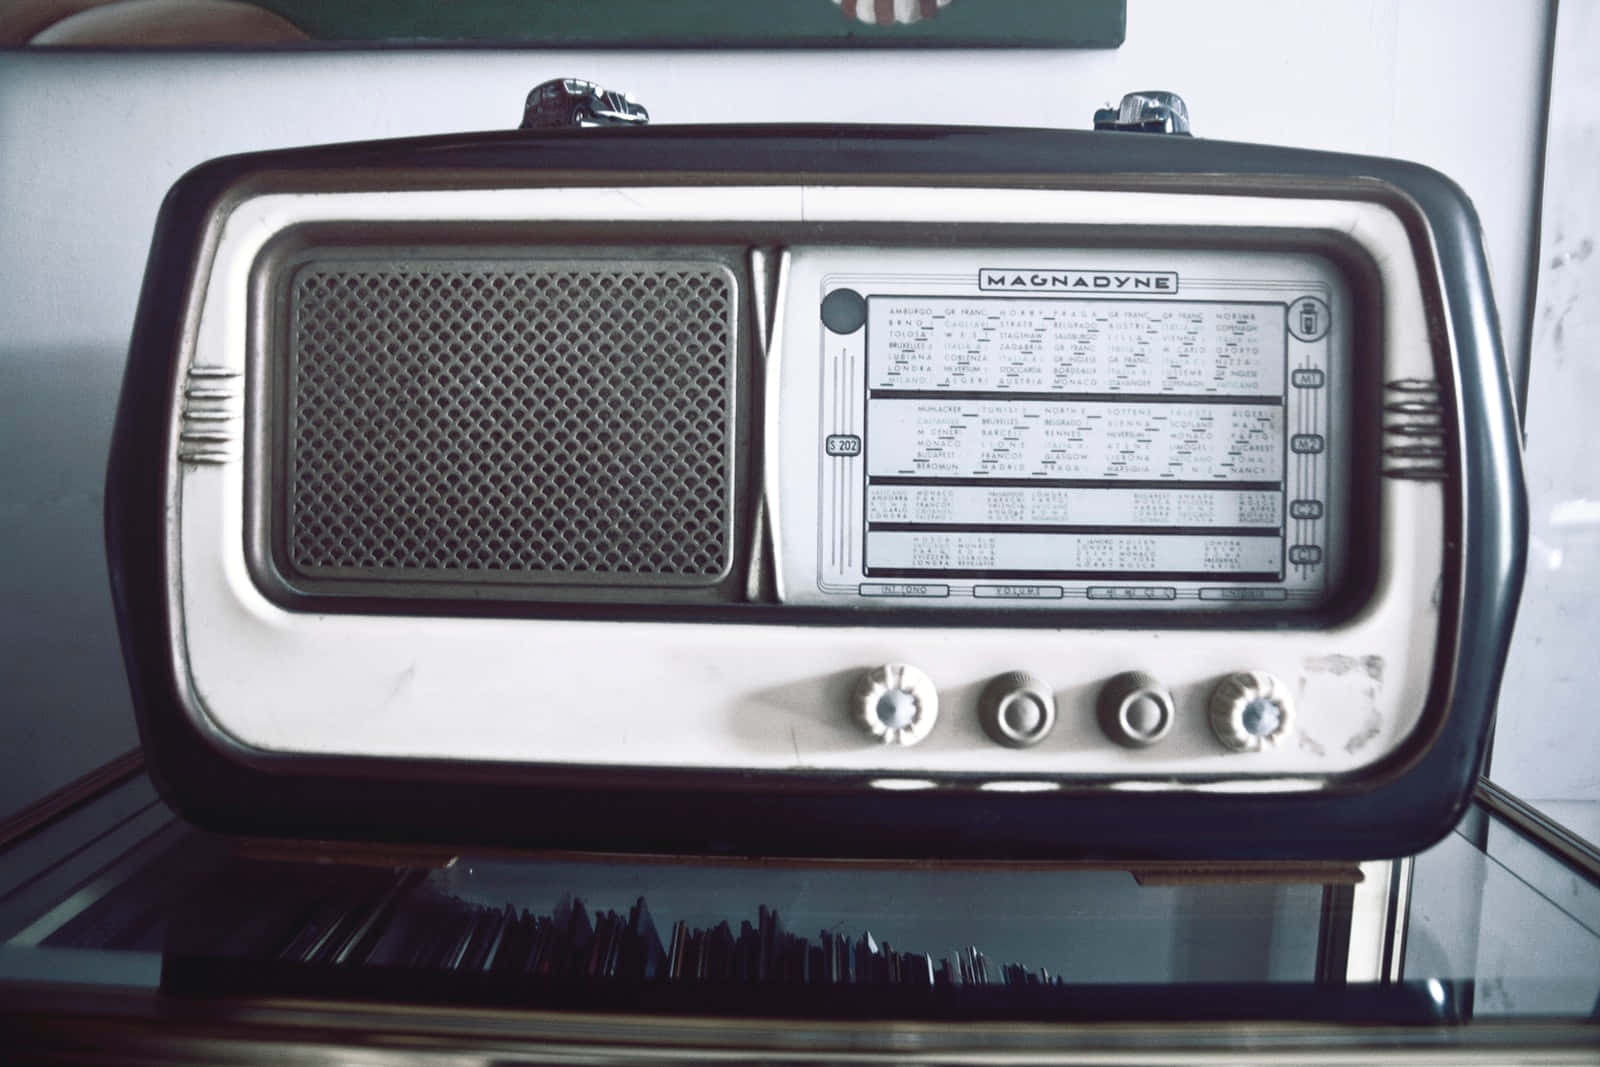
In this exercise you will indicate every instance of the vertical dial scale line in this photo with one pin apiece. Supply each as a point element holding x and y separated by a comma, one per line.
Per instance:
<point>821,457</point>
<point>1301,426</point>
<point>1320,483</point>
<point>843,476</point>
<point>1307,470</point>
<point>831,392</point>
<point>849,515</point>
<point>1294,410</point>
<point>1309,477</point>
<point>1307,473</point>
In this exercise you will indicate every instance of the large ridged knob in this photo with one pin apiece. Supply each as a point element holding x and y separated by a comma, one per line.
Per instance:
<point>1250,710</point>
<point>1135,709</point>
<point>1017,710</point>
<point>896,704</point>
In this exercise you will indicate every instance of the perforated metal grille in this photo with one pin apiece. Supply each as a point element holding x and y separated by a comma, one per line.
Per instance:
<point>560,421</point>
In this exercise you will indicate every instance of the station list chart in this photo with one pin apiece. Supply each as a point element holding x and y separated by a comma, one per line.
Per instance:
<point>1021,442</point>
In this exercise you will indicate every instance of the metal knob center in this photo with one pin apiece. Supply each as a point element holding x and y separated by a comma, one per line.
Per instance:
<point>896,709</point>
<point>1017,710</point>
<point>895,704</point>
<point>1144,715</point>
<point>1262,717</point>
<point>1023,714</point>
<point>1135,709</point>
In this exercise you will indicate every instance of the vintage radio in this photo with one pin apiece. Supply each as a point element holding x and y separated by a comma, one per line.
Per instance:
<point>819,491</point>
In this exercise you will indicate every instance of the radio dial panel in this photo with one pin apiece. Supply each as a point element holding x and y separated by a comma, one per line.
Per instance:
<point>1118,430</point>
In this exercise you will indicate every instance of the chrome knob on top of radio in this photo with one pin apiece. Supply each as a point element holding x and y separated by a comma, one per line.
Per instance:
<point>1250,710</point>
<point>896,704</point>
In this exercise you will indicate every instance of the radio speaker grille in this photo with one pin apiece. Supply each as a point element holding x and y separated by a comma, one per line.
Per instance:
<point>484,421</point>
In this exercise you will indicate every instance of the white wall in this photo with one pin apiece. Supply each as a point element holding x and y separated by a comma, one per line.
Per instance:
<point>1547,745</point>
<point>91,143</point>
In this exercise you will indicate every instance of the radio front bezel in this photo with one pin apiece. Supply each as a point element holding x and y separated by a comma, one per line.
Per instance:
<point>744,592</point>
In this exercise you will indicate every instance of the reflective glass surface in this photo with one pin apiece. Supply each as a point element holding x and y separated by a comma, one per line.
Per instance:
<point>1483,928</point>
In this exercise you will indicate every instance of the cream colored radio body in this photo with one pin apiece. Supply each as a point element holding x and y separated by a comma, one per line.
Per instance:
<point>920,502</point>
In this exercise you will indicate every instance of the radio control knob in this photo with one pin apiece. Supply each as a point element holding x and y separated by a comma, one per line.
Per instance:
<point>896,703</point>
<point>1250,710</point>
<point>1017,710</point>
<point>1135,709</point>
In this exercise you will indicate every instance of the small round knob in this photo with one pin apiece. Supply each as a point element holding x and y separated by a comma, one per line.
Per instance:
<point>1250,710</point>
<point>1135,709</point>
<point>1017,710</point>
<point>896,703</point>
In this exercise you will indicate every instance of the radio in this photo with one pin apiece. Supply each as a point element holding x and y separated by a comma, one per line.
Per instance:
<point>819,491</point>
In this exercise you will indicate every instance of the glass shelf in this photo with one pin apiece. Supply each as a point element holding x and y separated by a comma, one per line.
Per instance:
<point>120,900</point>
